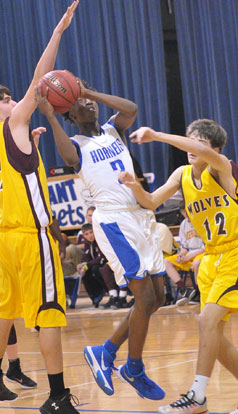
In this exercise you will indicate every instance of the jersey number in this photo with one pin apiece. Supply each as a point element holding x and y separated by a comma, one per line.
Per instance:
<point>220,222</point>
<point>117,165</point>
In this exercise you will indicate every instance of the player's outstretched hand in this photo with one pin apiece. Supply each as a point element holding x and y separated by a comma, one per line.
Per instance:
<point>42,102</point>
<point>67,17</point>
<point>36,133</point>
<point>143,134</point>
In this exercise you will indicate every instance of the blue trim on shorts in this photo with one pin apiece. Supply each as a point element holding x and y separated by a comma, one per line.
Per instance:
<point>157,274</point>
<point>142,277</point>
<point>134,277</point>
<point>128,256</point>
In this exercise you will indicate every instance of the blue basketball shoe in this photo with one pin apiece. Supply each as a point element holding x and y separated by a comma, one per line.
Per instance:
<point>101,364</point>
<point>145,387</point>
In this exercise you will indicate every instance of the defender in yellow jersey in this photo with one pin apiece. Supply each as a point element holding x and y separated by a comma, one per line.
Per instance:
<point>209,191</point>
<point>31,278</point>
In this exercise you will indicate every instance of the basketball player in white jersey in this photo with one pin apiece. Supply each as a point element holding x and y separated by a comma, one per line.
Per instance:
<point>126,233</point>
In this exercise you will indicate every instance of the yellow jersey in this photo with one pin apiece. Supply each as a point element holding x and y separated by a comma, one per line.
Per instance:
<point>213,213</point>
<point>24,197</point>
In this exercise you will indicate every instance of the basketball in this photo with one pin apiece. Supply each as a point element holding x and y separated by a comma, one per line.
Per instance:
<point>63,89</point>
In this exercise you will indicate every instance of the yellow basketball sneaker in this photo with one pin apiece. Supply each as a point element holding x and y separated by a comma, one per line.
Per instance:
<point>185,405</point>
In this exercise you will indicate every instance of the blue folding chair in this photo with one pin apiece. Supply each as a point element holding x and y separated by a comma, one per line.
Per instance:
<point>73,296</point>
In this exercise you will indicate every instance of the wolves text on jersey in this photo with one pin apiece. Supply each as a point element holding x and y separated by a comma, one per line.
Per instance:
<point>208,202</point>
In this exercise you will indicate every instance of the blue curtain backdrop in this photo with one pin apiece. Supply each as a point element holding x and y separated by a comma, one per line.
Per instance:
<point>207,32</point>
<point>116,45</point>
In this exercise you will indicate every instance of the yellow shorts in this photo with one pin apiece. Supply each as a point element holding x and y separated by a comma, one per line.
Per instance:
<point>199,257</point>
<point>180,266</point>
<point>31,279</point>
<point>218,280</point>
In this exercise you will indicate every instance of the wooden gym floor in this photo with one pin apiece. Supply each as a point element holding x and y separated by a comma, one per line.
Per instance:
<point>170,357</point>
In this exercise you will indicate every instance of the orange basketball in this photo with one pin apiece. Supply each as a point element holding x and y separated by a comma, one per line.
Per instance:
<point>63,89</point>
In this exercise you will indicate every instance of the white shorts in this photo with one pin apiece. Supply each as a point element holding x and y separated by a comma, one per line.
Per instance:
<point>130,241</point>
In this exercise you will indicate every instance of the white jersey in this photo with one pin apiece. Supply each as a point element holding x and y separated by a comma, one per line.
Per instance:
<point>189,238</point>
<point>102,158</point>
<point>126,233</point>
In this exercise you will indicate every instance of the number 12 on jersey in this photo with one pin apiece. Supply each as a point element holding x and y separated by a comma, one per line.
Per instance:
<point>219,222</point>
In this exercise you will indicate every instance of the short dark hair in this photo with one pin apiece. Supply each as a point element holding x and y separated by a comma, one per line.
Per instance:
<point>207,128</point>
<point>86,227</point>
<point>182,205</point>
<point>4,90</point>
<point>91,208</point>
<point>65,115</point>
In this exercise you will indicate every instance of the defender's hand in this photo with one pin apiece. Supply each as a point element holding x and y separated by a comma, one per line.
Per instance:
<point>43,104</point>
<point>67,17</point>
<point>143,134</point>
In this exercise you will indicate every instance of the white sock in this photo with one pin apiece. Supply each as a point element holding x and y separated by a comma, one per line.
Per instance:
<point>113,293</point>
<point>199,387</point>
<point>122,293</point>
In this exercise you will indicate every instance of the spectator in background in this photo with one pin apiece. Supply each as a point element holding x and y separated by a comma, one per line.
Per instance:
<point>92,260</point>
<point>169,246</point>
<point>117,296</point>
<point>80,242</point>
<point>70,255</point>
<point>191,246</point>
<point>67,241</point>
<point>74,252</point>
<point>72,258</point>
<point>168,243</point>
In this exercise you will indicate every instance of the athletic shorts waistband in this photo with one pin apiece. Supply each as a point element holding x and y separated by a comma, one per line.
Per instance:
<point>118,208</point>
<point>233,244</point>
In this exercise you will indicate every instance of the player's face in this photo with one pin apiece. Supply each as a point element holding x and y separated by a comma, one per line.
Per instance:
<point>6,106</point>
<point>195,159</point>
<point>84,111</point>
<point>89,235</point>
<point>89,216</point>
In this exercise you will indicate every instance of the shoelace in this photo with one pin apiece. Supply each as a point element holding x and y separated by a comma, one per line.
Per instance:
<point>70,397</point>
<point>74,399</point>
<point>147,383</point>
<point>185,401</point>
<point>112,368</point>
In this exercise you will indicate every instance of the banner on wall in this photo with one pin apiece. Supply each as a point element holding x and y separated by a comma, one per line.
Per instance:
<point>69,200</point>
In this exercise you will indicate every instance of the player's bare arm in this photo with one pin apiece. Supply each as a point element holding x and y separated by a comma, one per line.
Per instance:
<point>219,165</point>
<point>209,155</point>
<point>126,109</point>
<point>65,147</point>
<point>159,196</point>
<point>22,112</point>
